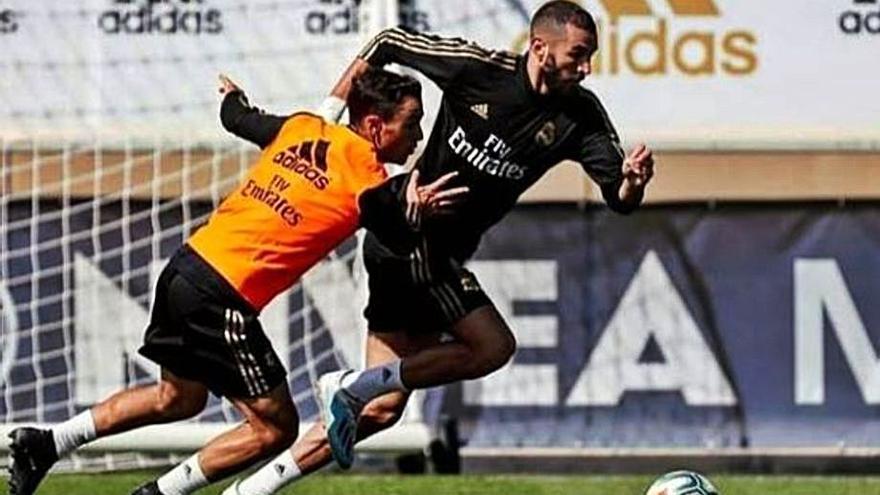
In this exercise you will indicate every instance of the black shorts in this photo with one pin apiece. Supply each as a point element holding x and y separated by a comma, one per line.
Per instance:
<point>201,329</point>
<point>417,293</point>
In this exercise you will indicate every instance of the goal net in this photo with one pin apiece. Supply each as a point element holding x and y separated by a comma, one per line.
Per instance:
<point>85,231</point>
<point>112,154</point>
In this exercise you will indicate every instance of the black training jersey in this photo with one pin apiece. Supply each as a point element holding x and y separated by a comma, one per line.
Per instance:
<point>497,131</point>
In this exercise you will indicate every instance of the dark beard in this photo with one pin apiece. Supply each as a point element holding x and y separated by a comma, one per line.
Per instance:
<point>556,85</point>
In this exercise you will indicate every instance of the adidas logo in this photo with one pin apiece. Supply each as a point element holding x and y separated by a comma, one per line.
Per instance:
<point>666,47</point>
<point>658,38</point>
<point>279,468</point>
<point>187,471</point>
<point>698,8</point>
<point>308,159</point>
<point>482,110</point>
<point>856,20</point>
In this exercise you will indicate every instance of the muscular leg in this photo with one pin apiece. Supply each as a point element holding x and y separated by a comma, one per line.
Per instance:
<point>312,451</point>
<point>35,451</point>
<point>171,399</point>
<point>483,343</point>
<point>270,424</point>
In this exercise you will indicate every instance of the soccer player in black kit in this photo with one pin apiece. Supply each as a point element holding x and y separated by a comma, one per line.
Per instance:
<point>505,119</point>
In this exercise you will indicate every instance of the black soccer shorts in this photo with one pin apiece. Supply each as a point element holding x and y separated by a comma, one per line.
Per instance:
<point>201,330</point>
<point>417,293</point>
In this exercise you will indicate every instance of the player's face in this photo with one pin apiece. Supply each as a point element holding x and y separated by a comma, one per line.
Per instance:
<point>399,136</point>
<point>568,59</point>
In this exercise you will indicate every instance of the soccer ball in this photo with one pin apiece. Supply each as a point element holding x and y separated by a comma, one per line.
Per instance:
<point>682,483</point>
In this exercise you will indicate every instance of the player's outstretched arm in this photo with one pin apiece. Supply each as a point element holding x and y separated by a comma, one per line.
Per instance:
<point>246,121</point>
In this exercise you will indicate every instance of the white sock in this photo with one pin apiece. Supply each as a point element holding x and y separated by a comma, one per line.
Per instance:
<point>270,478</point>
<point>184,479</point>
<point>75,432</point>
<point>375,381</point>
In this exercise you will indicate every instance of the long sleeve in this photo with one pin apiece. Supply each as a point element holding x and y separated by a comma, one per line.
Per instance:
<point>442,60</point>
<point>599,152</point>
<point>249,122</point>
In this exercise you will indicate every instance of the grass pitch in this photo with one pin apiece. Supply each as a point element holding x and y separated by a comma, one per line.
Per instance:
<point>120,484</point>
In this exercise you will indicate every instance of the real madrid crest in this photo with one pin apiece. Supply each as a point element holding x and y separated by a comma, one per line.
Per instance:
<point>547,134</point>
<point>469,282</point>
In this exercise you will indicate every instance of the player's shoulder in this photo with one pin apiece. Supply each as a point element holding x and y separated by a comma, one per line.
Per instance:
<point>304,116</point>
<point>305,122</point>
<point>585,99</point>
<point>585,108</point>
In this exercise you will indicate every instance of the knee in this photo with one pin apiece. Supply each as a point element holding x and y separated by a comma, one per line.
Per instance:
<point>271,439</point>
<point>278,431</point>
<point>493,354</point>
<point>175,404</point>
<point>384,412</point>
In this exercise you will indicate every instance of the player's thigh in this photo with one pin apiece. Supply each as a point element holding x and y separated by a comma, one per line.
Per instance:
<point>177,390</point>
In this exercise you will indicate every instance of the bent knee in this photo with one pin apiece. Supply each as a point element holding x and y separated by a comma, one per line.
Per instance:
<point>271,439</point>
<point>493,354</point>
<point>278,429</point>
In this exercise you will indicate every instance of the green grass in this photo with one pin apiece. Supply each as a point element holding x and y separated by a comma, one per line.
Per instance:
<point>120,484</point>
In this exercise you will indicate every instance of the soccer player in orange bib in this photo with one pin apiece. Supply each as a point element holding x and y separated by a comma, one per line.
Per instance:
<point>313,185</point>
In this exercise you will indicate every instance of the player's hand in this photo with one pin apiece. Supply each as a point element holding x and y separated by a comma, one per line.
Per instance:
<point>432,199</point>
<point>638,167</point>
<point>227,86</point>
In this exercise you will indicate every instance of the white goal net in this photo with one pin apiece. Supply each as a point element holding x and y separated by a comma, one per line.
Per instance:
<point>112,154</point>
<point>85,232</point>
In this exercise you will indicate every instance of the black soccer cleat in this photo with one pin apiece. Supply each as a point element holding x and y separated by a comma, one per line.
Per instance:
<point>151,488</point>
<point>33,453</point>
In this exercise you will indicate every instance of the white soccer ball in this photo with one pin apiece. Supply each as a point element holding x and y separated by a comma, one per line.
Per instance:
<point>682,483</point>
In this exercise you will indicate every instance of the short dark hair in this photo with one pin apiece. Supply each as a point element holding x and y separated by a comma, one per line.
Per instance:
<point>558,13</point>
<point>380,92</point>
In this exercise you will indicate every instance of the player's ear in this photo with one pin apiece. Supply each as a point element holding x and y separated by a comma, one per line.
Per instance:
<point>538,48</point>
<point>373,124</point>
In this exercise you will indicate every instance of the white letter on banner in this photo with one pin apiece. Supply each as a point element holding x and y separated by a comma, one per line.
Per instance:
<point>819,290</point>
<point>519,384</point>
<point>108,324</point>
<point>651,307</point>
